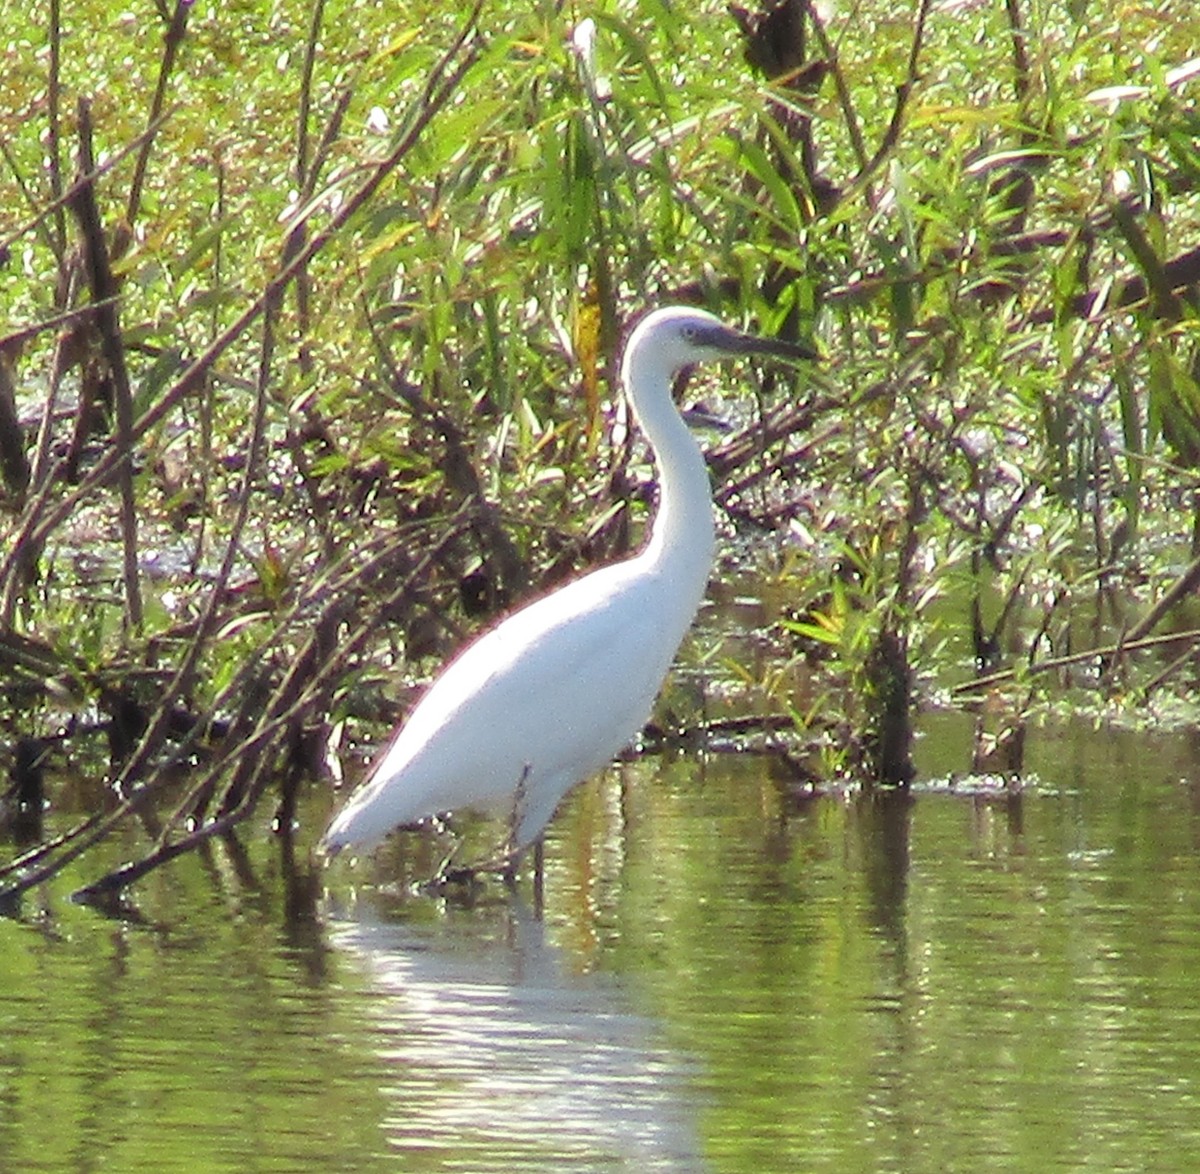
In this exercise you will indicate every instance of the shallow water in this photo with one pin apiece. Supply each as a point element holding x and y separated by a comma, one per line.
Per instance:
<point>723,979</point>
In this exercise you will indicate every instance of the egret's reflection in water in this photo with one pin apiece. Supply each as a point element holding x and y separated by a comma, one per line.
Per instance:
<point>500,1056</point>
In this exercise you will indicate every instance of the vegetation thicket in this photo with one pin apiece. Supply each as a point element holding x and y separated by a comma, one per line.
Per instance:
<point>306,363</point>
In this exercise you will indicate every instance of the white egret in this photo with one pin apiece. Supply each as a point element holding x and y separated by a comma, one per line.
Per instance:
<point>548,696</point>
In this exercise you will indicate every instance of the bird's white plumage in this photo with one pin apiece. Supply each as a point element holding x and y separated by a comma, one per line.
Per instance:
<point>549,695</point>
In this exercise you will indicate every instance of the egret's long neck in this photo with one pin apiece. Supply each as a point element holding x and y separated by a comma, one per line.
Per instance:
<point>681,537</point>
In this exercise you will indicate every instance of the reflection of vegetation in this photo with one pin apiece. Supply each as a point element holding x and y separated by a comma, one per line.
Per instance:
<point>247,468</point>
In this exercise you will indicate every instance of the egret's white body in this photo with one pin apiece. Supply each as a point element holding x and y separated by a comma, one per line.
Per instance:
<point>548,696</point>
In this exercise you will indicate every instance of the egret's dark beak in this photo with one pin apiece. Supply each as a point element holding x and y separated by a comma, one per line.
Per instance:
<point>754,344</point>
<point>737,343</point>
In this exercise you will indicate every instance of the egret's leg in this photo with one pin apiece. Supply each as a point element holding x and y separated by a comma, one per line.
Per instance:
<point>440,825</point>
<point>509,864</point>
<point>539,877</point>
<point>513,861</point>
<point>508,858</point>
<point>446,869</point>
<point>520,795</point>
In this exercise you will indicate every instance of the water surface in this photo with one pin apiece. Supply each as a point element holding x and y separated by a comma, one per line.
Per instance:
<point>725,977</point>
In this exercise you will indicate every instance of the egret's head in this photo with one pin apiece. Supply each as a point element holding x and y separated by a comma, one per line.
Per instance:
<point>679,336</point>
